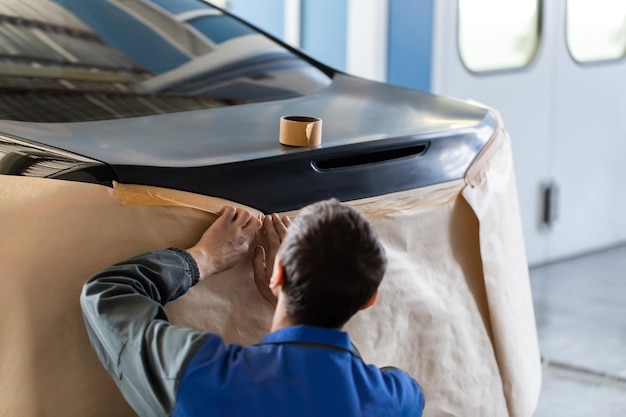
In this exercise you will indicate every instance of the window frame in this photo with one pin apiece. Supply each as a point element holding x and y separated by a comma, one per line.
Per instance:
<point>590,63</point>
<point>504,70</point>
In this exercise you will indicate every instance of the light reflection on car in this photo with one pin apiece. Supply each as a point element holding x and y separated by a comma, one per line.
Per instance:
<point>82,60</point>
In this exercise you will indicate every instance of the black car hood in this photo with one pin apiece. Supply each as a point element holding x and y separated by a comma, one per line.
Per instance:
<point>376,139</point>
<point>353,111</point>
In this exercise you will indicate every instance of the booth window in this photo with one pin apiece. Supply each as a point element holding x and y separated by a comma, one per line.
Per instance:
<point>498,35</point>
<point>596,29</point>
<point>224,4</point>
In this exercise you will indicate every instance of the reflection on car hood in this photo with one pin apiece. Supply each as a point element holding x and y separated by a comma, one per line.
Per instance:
<point>353,111</point>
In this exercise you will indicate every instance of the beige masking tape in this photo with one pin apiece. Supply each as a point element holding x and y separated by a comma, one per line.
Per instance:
<point>300,131</point>
<point>476,171</point>
<point>146,195</point>
<point>372,207</point>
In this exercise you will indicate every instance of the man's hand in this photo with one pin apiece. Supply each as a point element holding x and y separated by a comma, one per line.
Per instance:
<point>225,242</point>
<point>274,229</point>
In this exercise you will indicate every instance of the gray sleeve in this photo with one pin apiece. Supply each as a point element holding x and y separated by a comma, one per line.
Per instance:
<point>129,329</point>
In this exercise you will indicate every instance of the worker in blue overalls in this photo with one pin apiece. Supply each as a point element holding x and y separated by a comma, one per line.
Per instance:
<point>317,271</point>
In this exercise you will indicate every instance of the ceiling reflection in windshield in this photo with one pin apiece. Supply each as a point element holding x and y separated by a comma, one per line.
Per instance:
<point>83,60</point>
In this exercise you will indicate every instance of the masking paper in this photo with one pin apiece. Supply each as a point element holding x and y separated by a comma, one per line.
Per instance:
<point>454,310</point>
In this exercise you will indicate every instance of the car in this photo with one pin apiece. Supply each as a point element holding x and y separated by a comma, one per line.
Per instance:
<point>247,81</point>
<point>125,126</point>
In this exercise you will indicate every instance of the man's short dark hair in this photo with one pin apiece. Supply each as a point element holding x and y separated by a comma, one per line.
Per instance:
<point>333,264</point>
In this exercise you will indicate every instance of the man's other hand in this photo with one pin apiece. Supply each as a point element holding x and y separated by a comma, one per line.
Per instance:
<point>274,229</point>
<point>225,242</point>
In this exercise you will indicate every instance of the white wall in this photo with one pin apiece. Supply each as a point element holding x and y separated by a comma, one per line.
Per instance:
<point>567,125</point>
<point>367,38</point>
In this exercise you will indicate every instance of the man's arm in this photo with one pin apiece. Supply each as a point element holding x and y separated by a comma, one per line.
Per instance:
<point>129,330</point>
<point>126,321</point>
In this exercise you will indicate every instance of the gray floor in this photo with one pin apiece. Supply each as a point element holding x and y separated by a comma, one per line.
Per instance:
<point>580,306</point>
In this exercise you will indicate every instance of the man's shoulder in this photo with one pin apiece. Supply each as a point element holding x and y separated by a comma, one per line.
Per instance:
<point>404,388</point>
<point>398,376</point>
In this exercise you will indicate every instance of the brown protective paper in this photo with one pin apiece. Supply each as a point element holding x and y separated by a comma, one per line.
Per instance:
<point>494,201</point>
<point>454,308</point>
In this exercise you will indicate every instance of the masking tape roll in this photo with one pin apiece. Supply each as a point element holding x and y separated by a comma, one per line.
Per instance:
<point>300,131</point>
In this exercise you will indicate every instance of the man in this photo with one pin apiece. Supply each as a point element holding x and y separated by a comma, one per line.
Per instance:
<point>318,274</point>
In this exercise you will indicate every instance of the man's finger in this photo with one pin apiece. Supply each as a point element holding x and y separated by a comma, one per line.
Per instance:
<point>242,217</point>
<point>273,238</point>
<point>253,226</point>
<point>262,276</point>
<point>280,227</point>
<point>228,212</point>
<point>267,223</point>
<point>258,263</point>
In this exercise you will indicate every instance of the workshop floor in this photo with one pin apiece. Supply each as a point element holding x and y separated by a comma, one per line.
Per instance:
<point>580,307</point>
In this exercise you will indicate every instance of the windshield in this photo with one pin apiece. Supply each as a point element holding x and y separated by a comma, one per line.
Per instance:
<point>82,60</point>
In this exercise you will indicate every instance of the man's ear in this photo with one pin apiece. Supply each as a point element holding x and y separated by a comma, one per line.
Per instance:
<point>371,301</point>
<point>278,274</point>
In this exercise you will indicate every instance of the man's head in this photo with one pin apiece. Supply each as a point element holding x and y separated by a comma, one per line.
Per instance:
<point>332,263</point>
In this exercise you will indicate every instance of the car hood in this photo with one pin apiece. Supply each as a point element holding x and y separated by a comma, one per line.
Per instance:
<point>353,111</point>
